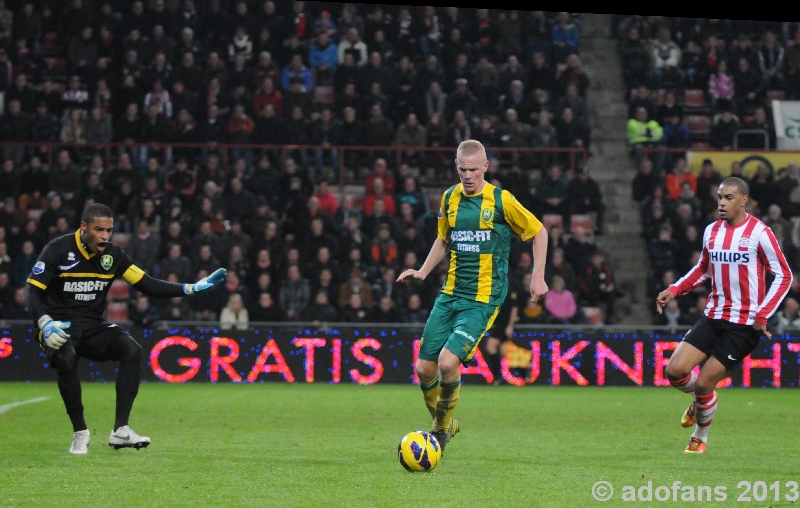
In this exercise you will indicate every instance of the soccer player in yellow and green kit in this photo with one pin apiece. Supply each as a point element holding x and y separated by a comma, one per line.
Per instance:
<point>476,220</point>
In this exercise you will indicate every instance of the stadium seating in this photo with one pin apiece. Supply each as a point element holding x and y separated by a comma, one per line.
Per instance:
<point>119,291</point>
<point>699,126</point>
<point>581,221</point>
<point>116,311</point>
<point>122,240</point>
<point>552,219</point>
<point>593,315</point>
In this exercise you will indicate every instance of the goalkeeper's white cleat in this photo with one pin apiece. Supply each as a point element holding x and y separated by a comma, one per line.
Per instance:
<point>80,443</point>
<point>125,437</point>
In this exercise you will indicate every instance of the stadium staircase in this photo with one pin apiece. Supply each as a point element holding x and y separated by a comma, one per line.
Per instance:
<point>614,170</point>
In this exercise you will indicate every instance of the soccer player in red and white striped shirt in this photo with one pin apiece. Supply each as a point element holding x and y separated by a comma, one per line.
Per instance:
<point>737,252</point>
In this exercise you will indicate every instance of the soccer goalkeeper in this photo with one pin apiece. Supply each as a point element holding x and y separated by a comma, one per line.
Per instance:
<point>67,297</point>
<point>476,221</point>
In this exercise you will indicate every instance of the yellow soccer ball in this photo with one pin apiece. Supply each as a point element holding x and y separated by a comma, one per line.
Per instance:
<point>419,451</point>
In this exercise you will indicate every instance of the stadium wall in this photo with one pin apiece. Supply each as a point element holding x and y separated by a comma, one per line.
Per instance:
<point>374,354</point>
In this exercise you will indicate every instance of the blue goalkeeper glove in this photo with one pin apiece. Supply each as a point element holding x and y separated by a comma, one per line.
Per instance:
<point>206,282</point>
<point>54,333</point>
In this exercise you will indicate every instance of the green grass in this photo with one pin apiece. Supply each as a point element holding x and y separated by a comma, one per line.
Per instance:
<point>328,446</point>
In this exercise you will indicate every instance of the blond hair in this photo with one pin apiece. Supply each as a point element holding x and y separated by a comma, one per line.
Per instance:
<point>470,147</point>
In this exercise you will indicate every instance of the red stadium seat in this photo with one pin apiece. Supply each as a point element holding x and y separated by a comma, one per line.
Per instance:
<point>122,240</point>
<point>701,145</point>
<point>698,124</point>
<point>580,221</point>
<point>117,311</point>
<point>694,98</point>
<point>552,219</point>
<point>593,315</point>
<point>119,291</point>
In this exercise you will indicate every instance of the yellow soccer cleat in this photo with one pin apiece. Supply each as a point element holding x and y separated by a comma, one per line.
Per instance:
<point>689,417</point>
<point>695,446</point>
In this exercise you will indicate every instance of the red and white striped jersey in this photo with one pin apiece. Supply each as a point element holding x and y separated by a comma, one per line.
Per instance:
<point>736,259</point>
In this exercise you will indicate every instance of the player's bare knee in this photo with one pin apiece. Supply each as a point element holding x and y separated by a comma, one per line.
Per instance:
<point>450,367</point>
<point>426,370</point>
<point>674,371</point>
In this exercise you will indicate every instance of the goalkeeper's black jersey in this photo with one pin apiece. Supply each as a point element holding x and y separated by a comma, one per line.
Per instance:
<point>75,282</point>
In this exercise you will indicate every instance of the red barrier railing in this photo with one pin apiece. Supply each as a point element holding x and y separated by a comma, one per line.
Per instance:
<point>575,157</point>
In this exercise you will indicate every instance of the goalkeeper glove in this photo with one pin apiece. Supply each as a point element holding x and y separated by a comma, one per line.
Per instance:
<point>206,282</point>
<point>54,333</point>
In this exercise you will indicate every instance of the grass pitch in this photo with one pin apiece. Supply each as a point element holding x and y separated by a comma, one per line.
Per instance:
<point>329,446</point>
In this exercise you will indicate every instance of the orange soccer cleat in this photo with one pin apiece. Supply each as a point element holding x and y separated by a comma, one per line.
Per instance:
<point>695,446</point>
<point>689,417</point>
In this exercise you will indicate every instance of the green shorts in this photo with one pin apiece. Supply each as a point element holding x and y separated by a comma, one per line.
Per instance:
<point>457,324</point>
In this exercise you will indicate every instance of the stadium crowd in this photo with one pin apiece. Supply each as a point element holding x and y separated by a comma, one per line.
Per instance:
<point>734,65</point>
<point>81,73</point>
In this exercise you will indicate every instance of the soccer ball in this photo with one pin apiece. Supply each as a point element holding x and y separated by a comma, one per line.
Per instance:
<point>419,451</point>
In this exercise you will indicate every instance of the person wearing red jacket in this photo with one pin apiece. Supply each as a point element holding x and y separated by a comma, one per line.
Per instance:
<point>240,132</point>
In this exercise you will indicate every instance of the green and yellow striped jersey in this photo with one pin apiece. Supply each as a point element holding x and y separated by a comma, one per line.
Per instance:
<point>478,230</point>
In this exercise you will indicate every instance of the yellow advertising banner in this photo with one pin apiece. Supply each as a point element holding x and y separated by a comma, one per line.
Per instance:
<point>776,162</point>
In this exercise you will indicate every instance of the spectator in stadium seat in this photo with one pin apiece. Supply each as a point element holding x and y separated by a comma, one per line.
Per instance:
<point>642,98</point>
<point>513,132</point>
<point>583,197</point>
<point>666,61</point>
<point>144,249</point>
<point>721,88</point>
<point>15,126</point>
<point>380,171</point>
<point>761,121</point>
<point>385,311</point>
<point>551,193</point>
<point>560,302</point>
<point>787,187</point>
<point>724,130</point>
<point>575,74</point>
<point>378,131</point>
<point>643,133</point>
<point>676,135</point>
<point>352,44</point>
<point>384,247</point>
<point>762,188</point>
<point>462,99</point>
<point>516,98</point>
<point>571,99</point>
<point>234,315</point>
<point>707,178</point>
<point>486,78</point>
<point>635,58</point>
<point>410,193</point>
<point>98,127</point>
<point>558,266</point>
<point>295,293</point>
<point>680,173</point>
<point>378,194</point>
<point>598,285</point>
<point>341,217</point>
<point>181,182</point>
<point>771,61</point>
<point>566,38</point>
<point>413,311</point>
<point>411,134</point>
<point>571,133</point>
<point>749,89</point>
<point>23,263</point>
